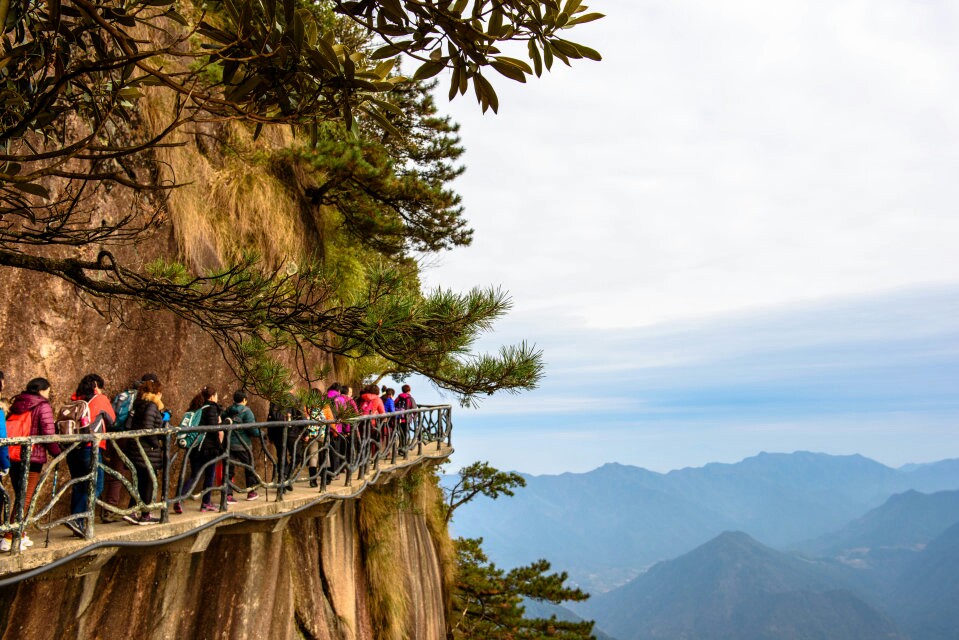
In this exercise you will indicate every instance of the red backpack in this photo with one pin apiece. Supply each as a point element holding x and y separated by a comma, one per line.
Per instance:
<point>18,426</point>
<point>366,407</point>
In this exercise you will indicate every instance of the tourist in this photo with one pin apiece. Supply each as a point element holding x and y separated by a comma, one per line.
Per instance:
<point>35,401</point>
<point>112,485</point>
<point>286,439</point>
<point>211,445</point>
<point>387,399</point>
<point>80,459</point>
<point>146,414</point>
<point>371,404</point>
<point>344,407</point>
<point>315,434</point>
<point>241,443</point>
<point>404,402</point>
<point>5,542</point>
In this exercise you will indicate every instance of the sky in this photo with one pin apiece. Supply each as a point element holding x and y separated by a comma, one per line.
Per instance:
<point>736,233</point>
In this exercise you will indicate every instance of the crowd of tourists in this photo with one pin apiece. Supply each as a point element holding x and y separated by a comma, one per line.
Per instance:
<point>140,407</point>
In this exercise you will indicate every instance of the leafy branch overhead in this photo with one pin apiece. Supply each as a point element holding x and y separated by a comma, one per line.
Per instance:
<point>98,99</point>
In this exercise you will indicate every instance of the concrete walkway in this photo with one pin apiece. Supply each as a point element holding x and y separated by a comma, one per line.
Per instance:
<point>192,531</point>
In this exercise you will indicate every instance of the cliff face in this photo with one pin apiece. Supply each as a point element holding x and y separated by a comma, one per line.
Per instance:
<point>310,579</point>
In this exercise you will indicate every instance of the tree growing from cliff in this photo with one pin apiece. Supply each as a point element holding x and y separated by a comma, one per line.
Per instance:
<point>480,478</point>
<point>488,601</point>
<point>74,75</point>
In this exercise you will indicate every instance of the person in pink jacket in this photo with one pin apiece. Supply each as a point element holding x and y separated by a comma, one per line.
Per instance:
<point>35,400</point>
<point>372,405</point>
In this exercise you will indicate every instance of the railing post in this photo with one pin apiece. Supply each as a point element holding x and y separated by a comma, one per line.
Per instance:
<point>394,441</point>
<point>281,464</point>
<point>417,434</point>
<point>225,487</point>
<point>92,487</point>
<point>25,452</point>
<point>324,455</point>
<point>165,487</point>
<point>348,452</point>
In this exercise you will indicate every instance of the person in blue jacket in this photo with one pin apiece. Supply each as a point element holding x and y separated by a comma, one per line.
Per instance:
<point>5,543</point>
<point>4,454</point>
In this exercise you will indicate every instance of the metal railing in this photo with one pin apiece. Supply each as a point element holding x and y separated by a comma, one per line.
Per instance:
<point>330,451</point>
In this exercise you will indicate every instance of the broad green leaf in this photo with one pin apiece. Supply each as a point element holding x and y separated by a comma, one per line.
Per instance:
<point>390,50</point>
<point>516,63</point>
<point>429,69</point>
<point>537,58</point>
<point>588,17</point>
<point>508,70</point>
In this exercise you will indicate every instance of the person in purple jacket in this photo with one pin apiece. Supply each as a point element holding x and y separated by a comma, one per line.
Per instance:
<point>35,400</point>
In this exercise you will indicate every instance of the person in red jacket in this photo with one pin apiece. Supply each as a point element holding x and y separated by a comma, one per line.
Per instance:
<point>80,459</point>
<point>35,399</point>
<point>372,405</point>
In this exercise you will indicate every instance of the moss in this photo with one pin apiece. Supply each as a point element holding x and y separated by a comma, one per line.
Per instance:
<point>418,493</point>
<point>429,500</point>
<point>389,604</point>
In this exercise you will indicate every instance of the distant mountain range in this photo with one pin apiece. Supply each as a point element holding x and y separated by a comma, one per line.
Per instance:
<point>905,521</point>
<point>735,588</point>
<point>607,526</point>
<point>925,595</point>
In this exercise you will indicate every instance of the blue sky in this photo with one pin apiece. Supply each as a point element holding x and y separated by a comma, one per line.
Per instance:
<point>877,375</point>
<point>736,233</point>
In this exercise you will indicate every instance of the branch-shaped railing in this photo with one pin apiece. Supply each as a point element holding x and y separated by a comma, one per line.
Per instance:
<point>330,451</point>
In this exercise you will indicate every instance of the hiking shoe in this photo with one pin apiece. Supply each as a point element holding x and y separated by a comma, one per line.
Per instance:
<point>25,542</point>
<point>6,544</point>
<point>76,529</point>
<point>177,507</point>
<point>132,518</point>
<point>108,517</point>
<point>210,508</point>
<point>230,499</point>
<point>195,496</point>
<point>253,495</point>
<point>146,518</point>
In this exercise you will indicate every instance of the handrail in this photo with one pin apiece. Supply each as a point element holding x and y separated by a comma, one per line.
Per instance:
<point>342,448</point>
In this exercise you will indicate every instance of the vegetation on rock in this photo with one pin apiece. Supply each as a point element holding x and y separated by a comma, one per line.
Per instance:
<point>98,100</point>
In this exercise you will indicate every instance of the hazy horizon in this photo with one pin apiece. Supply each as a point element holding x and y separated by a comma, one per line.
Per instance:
<point>735,233</point>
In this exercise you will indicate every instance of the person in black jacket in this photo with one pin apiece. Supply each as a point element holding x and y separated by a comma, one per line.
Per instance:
<point>211,447</point>
<point>286,410</point>
<point>147,413</point>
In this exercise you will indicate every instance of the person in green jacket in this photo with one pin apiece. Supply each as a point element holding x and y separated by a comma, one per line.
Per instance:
<point>241,443</point>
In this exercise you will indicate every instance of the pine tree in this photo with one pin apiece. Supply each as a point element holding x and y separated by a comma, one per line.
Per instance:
<point>488,601</point>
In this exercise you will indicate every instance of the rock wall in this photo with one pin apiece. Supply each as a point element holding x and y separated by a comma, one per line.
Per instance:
<point>307,580</point>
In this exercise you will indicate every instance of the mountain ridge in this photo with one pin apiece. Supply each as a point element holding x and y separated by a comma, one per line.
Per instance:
<point>608,525</point>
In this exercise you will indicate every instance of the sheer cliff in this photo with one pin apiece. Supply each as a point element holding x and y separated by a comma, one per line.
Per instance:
<point>372,567</point>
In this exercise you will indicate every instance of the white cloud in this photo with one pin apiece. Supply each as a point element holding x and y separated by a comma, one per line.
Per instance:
<point>723,156</point>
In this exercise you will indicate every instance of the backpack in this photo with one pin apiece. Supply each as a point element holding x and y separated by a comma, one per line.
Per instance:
<point>318,413</point>
<point>74,417</point>
<point>123,408</point>
<point>191,439</point>
<point>19,425</point>
<point>366,407</point>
